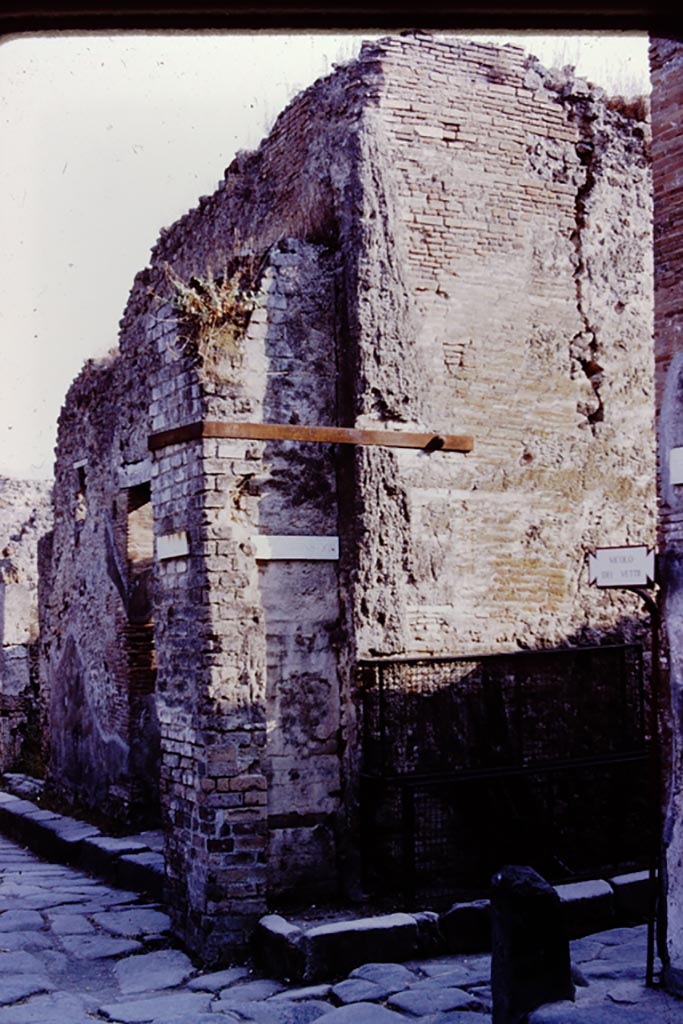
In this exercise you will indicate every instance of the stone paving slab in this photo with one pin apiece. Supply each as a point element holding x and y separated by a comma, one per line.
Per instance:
<point>99,947</point>
<point>456,1017</point>
<point>134,922</point>
<point>20,920</point>
<point>421,1001</point>
<point>393,977</point>
<point>198,1018</point>
<point>14,989</point>
<point>143,1011</point>
<point>26,941</point>
<point>362,1013</point>
<point>568,1013</point>
<point>358,990</point>
<point>74,951</point>
<point>275,1013</point>
<point>58,1008</point>
<point>307,992</point>
<point>216,980</point>
<point>248,991</point>
<point>19,963</point>
<point>165,968</point>
<point>70,924</point>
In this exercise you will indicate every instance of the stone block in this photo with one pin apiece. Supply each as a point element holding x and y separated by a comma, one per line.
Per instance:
<point>55,837</point>
<point>24,785</point>
<point>429,939</point>
<point>142,871</point>
<point>278,945</point>
<point>631,897</point>
<point>530,962</point>
<point>332,950</point>
<point>100,853</point>
<point>587,907</point>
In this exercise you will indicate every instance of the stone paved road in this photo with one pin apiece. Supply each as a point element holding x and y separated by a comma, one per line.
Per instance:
<point>74,950</point>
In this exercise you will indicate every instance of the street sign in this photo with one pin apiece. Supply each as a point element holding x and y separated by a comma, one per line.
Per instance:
<point>621,566</point>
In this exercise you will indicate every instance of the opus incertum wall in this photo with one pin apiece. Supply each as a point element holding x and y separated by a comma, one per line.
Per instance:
<point>438,237</point>
<point>25,518</point>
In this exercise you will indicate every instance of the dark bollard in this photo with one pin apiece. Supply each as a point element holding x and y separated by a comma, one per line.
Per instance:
<point>530,962</point>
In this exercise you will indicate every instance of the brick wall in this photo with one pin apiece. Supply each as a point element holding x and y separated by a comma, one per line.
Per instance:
<point>520,215</point>
<point>85,606</point>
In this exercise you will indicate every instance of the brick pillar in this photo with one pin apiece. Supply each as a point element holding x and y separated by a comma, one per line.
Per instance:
<point>231,716</point>
<point>210,647</point>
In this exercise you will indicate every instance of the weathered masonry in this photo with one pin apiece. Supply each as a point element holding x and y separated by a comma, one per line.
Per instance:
<point>666,63</point>
<point>25,517</point>
<point>439,238</point>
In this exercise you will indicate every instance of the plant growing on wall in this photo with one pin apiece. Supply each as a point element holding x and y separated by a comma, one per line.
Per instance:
<point>213,312</point>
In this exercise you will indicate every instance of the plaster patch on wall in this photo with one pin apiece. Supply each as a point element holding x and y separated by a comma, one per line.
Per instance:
<point>285,547</point>
<point>135,473</point>
<point>173,545</point>
<point>676,466</point>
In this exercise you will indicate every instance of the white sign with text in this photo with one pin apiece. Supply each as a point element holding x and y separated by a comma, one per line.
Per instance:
<point>621,566</point>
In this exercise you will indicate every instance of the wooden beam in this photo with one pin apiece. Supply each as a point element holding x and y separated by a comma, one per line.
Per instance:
<point>321,435</point>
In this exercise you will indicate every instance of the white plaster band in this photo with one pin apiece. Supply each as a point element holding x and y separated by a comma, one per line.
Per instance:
<point>172,545</point>
<point>676,466</point>
<point>135,473</point>
<point>283,547</point>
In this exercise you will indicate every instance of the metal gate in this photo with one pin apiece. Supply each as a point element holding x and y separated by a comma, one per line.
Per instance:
<point>535,757</point>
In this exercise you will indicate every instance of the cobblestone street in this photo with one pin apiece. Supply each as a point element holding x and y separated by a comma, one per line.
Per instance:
<point>75,950</point>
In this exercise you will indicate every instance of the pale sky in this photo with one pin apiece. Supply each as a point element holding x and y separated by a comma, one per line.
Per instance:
<point>104,140</point>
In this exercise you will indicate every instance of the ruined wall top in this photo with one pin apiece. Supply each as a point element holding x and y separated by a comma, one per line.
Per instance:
<point>299,181</point>
<point>25,516</point>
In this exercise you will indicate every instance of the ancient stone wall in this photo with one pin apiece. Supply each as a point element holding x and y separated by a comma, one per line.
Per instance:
<point>666,63</point>
<point>25,517</point>
<point>520,215</point>
<point>247,689</point>
<point>94,645</point>
<point>431,237</point>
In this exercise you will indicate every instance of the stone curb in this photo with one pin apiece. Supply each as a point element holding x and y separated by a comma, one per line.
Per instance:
<point>329,949</point>
<point>127,862</point>
<point>324,951</point>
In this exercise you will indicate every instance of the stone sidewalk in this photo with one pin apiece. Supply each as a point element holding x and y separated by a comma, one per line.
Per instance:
<point>74,950</point>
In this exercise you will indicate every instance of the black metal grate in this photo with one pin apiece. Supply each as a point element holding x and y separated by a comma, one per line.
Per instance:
<point>538,757</point>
